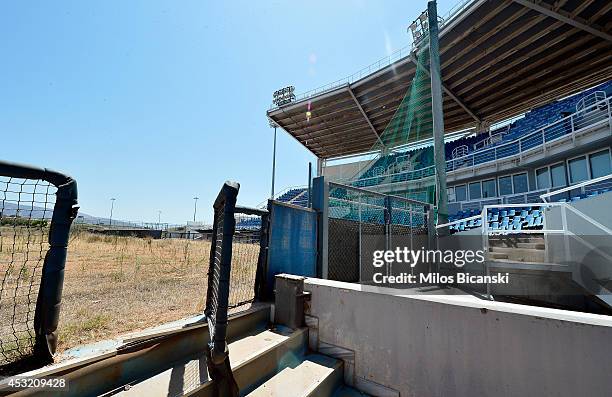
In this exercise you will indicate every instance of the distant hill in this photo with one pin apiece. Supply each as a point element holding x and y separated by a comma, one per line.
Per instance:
<point>26,210</point>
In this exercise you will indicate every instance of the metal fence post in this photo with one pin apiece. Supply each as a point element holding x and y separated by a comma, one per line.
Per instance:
<point>46,317</point>
<point>217,294</point>
<point>320,202</point>
<point>48,300</point>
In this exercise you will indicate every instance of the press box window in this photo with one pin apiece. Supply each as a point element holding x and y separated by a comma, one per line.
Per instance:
<point>475,191</point>
<point>557,173</point>
<point>520,183</point>
<point>542,178</point>
<point>488,188</point>
<point>578,170</point>
<point>600,163</point>
<point>505,185</point>
<point>460,193</point>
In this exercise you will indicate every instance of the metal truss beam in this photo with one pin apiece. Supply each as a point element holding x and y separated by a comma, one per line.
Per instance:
<point>365,116</point>
<point>566,18</point>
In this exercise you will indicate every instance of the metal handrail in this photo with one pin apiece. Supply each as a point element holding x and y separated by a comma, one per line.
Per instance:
<point>496,149</point>
<point>378,194</point>
<point>545,196</point>
<point>419,170</point>
<point>582,102</point>
<point>539,131</point>
<point>471,218</point>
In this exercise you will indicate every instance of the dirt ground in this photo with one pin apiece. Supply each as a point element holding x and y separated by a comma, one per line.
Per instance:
<point>114,285</point>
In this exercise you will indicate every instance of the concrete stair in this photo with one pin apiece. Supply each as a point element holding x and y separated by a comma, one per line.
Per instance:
<point>273,362</point>
<point>517,249</point>
<point>315,375</point>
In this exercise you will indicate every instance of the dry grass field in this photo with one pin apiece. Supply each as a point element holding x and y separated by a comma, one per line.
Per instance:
<point>114,285</point>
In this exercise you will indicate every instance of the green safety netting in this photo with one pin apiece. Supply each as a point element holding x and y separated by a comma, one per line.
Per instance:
<point>393,159</point>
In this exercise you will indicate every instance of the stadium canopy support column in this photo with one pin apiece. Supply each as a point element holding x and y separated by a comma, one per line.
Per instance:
<point>437,112</point>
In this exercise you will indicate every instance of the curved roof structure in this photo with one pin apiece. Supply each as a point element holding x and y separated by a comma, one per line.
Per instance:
<point>498,59</point>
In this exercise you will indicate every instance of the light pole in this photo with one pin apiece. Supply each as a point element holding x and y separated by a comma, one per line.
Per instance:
<point>159,216</point>
<point>195,208</point>
<point>280,98</point>
<point>273,125</point>
<point>110,218</point>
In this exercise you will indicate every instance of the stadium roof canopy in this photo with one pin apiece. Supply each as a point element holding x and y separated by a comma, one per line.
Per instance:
<point>498,59</point>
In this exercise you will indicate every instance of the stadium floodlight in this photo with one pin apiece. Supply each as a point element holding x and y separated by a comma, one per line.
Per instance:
<point>110,218</point>
<point>283,96</point>
<point>195,207</point>
<point>419,26</point>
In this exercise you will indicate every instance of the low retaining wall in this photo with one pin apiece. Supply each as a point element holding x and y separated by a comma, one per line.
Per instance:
<point>436,345</point>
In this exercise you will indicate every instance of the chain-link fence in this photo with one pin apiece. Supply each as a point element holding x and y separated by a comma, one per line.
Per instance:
<point>363,221</point>
<point>37,207</point>
<point>248,255</point>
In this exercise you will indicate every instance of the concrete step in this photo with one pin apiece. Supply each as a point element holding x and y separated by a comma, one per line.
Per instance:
<point>517,254</point>
<point>514,250</point>
<point>512,238</point>
<point>497,255</point>
<point>253,358</point>
<point>316,375</point>
<point>515,244</point>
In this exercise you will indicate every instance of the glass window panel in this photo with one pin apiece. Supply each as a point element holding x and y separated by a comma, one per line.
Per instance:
<point>600,163</point>
<point>460,193</point>
<point>505,185</point>
<point>489,189</point>
<point>520,183</point>
<point>475,191</point>
<point>543,180</point>
<point>578,170</point>
<point>557,174</point>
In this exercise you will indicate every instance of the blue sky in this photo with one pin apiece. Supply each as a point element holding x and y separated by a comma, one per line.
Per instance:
<point>145,101</point>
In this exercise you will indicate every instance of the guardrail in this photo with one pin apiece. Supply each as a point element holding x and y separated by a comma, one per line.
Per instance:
<point>37,208</point>
<point>598,113</point>
<point>569,125</point>
<point>582,186</point>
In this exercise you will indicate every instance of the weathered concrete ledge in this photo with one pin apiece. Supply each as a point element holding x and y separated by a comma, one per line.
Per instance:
<point>430,344</point>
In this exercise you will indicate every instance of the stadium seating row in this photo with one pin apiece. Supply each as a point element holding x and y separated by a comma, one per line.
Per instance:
<point>417,159</point>
<point>516,218</point>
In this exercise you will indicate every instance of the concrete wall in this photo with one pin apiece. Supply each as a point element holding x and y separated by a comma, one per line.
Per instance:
<point>427,345</point>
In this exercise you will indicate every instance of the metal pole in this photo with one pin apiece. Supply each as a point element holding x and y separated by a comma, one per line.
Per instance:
<point>159,216</point>
<point>110,218</point>
<point>273,163</point>
<point>309,185</point>
<point>438,114</point>
<point>195,208</point>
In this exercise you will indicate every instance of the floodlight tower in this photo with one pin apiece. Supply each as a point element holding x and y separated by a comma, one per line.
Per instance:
<point>275,126</point>
<point>195,207</point>
<point>110,218</point>
<point>437,112</point>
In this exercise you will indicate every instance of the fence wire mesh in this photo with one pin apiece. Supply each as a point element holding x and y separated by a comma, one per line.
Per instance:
<point>26,208</point>
<point>246,248</point>
<point>361,222</point>
<point>214,271</point>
